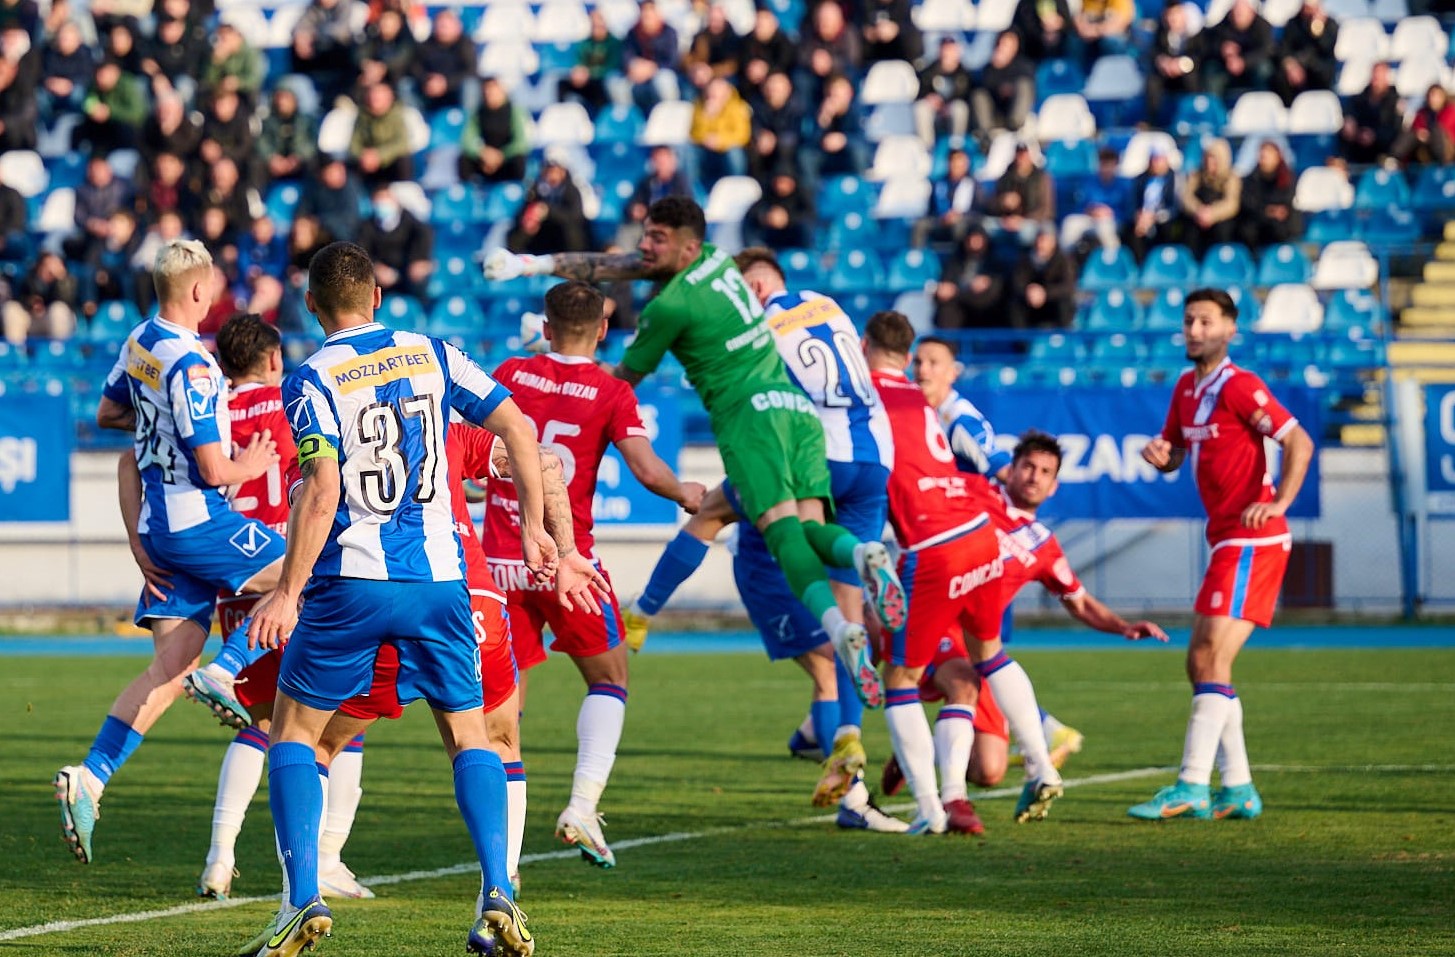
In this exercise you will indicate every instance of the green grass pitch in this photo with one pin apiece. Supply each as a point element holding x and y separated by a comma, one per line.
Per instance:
<point>1355,855</point>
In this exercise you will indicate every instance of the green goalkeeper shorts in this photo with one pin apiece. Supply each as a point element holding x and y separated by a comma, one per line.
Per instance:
<point>772,448</point>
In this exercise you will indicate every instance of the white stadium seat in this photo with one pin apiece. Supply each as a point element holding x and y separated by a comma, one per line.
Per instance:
<point>1114,78</point>
<point>1315,112</point>
<point>1323,188</point>
<point>510,61</point>
<point>902,197</point>
<point>1279,12</point>
<point>1139,148</point>
<point>336,130</point>
<point>1418,35</point>
<point>411,196</point>
<point>24,172</point>
<point>418,129</point>
<point>730,199</point>
<point>1353,77</point>
<point>1065,116</point>
<point>566,124</point>
<point>1291,307</point>
<point>945,16</point>
<point>1417,74</point>
<point>58,212</point>
<point>1362,38</point>
<point>900,156</point>
<point>1257,112</point>
<point>993,16</point>
<point>505,21</point>
<point>890,81</point>
<point>669,125</point>
<point>1346,265</point>
<point>562,21</point>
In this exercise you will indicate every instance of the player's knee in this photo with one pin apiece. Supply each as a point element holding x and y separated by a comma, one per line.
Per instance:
<point>987,773</point>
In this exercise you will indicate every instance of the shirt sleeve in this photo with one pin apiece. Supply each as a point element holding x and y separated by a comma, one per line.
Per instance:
<point>311,417</point>
<point>1172,428</point>
<point>473,393</point>
<point>116,388</point>
<point>972,438</point>
<point>655,334</point>
<point>194,388</point>
<point>1055,572</point>
<point>1249,399</point>
<point>626,417</point>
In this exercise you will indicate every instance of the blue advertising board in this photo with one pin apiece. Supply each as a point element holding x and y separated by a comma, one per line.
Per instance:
<point>1440,448</point>
<point>35,458</point>
<point>1103,431</point>
<point>620,498</point>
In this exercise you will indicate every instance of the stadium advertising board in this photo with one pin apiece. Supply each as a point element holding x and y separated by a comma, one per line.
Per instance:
<point>1440,448</point>
<point>1102,432</point>
<point>620,498</point>
<point>35,459</point>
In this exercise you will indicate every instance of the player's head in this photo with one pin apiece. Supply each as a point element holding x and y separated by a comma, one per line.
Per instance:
<point>182,275</point>
<point>936,367</point>
<point>761,269</point>
<point>341,287</point>
<point>250,350</point>
<point>575,317</point>
<point>1031,478</point>
<point>1209,322</point>
<point>888,337</point>
<point>671,236</point>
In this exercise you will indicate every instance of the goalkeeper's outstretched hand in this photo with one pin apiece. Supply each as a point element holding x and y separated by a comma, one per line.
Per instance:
<point>504,265</point>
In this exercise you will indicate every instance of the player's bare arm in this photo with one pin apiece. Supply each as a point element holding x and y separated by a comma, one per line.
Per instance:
<point>519,437</point>
<point>657,476</point>
<point>502,266</point>
<point>113,415</point>
<point>1298,452</point>
<point>1092,613</point>
<point>576,577</point>
<point>1162,455</point>
<point>309,524</point>
<point>128,489</point>
<point>220,471</point>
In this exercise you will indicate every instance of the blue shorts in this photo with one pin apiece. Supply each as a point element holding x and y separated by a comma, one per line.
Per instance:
<point>219,556</point>
<point>861,505</point>
<point>330,657</point>
<point>787,628</point>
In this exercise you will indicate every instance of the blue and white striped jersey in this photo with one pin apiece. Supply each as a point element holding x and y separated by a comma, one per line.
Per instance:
<point>820,347</point>
<point>168,378</point>
<point>379,401</point>
<point>972,437</point>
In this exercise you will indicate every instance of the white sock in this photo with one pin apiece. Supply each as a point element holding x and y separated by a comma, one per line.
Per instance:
<point>237,782</point>
<point>1233,767</point>
<point>515,824</point>
<point>598,732</point>
<point>1210,710</point>
<point>914,745</point>
<point>322,820</point>
<point>342,802</point>
<point>832,621</point>
<point>847,730</point>
<point>954,739</point>
<point>1017,699</point>
<point>1049,726</point>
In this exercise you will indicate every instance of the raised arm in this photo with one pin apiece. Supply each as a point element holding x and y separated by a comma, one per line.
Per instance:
<point>503,265</point>
<point>657,476</point>
<point>1093,614</point>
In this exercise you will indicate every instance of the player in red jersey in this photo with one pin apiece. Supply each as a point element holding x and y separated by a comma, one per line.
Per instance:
<point>1221,417</point>
<point>578,409</point>
<point>971,734</point>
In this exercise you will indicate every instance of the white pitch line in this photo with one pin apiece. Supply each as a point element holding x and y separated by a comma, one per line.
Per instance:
<point>1356,768</point>
<point>63,926</point>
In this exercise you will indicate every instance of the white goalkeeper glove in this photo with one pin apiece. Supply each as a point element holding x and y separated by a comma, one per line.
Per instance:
<point>533,333</point>
<point>504,265</point>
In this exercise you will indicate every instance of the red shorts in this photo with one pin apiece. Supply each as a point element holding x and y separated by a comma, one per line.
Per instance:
<point>497,666</point>
<point>258,682</point>
<point>947,585</point>
<point>988,716</point>
<point>534,607</point>
<point>1242,581</point>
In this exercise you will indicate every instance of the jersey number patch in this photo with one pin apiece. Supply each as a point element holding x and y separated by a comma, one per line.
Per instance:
<point>381,430</point>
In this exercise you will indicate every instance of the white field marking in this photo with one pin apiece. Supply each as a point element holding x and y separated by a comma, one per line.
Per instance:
<point>1136,686</point>
<point>1356,768</point>
<point>63,926</point>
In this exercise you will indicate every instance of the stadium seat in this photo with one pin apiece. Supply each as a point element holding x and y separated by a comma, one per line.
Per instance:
<point>1114,90</point>
<point>113,321</point>
<point>1354,310</point>
<point>24,171</point>
<point>1247,303</point>
<point>845,194</point>
<point>510,61</point>
<point>1115,350</point>
<point>336,130</point>
<point>508,21</point>
<point>564,124</point>
<point>446,126</point>
<point>1165,315</point>
<point>1416,36</point>
<point>1342,10</point>
<point>1321,188</point>
<point>1000,154</point>
<point>1279,12</point>
<point>669,124</point>
<point>1283,263</point>
<point>614,198</point>
<point>412,197</point>
<point>1199,113</point>
<point>57,212</point>
<point>900,156</point>
<point>458,204</point>
<point>1316,112</point>
<point>501,202</point>
<point>1065,116</point>
<point>1054,349</point>
<point>1109,269</point>
<point>800,269</point>
<point>458,238</point>
<point>619,124</point>
<point>1070,158</point>
<point>1361,38</point>
<point>562,21</point>
<point>1434,194</point>
<point>1171,265</point>
<point>281,202</point>
<point>67,170</point>
<point>1419,72</point>
<point>402,312</point>
<point>889,81</point>
<point>1257,113</point>
<point>912,271</point>
<point>856,270</point>
<point>1227,264</point>
<point>919,309</point>
<point>1058,76</point>
<point>1346,265</point>
<point>1329,226</point>
<point>1381,189</point>
<point>1353,77</point>
<point>1140,146</point>
<point>730,199</point>
<point>456,316</point>
<point>944,16</point>
<point>1292,307</point>
<point>993,16</point>
<point>1390,227</point>
<point>1113,310</point>
<point>902,197</point>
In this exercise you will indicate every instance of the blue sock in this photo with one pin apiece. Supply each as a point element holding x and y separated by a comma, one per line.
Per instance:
<point>480,793</point>
<point>296,799</point>
<point>115,742</point>
<point>235,654</point>
<point>825,717</point>
<point>681,558</point>
<point>851,709</point>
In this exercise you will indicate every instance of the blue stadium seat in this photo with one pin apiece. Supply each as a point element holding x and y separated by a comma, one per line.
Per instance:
<point>1390,227</point>
<point>1434,189</point>
<point>1114,310</point>
<point>840,195</point>
<point>1166,312</point>
<point>113,321</point>
<point>456,317</point>
<point>1227,264</point>
<point>617,160</point>
<point>1354,354</point>
<point>912,270</point>
<point>1058,76</point>
<point>1168,352</point>
<point>281,202</point>
<point>1070,158</point>
<point>1109,268</point>
<point>402,312</point>
<point>1116,350</point>
<point>614,196</point>
<point>852,230</point>
<point>1248,306</point>
<point>458,238</point>
<point>502,201</point>
<point>457,204</point>
<point>857,270</point>
<point>1354,309</point>
<point>1381,189</point>
<point>1330,226</point>
<point>1199,113</point>
<point>1054,349</point>
<point>68,169</point>
<point>1169,266</point>
<point>800,269</point>
<point>54,355</point>
<point>556,57</point>
<point>619,124</point>
<point>1283,263</point>
<point>456,275</point>
<point>446,126</point>
<point>861,305</point>
<point>12,358</point>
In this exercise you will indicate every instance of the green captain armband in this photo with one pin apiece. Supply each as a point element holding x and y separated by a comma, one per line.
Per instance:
<point>315,447</point>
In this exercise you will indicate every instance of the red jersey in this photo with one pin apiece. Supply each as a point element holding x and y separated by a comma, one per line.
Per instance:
<point>1032,553</point>
<point>930,499</point>
<point>251,408</point>
<point>1222,422</point>
<point>467,454</point>
<point>577,409</point>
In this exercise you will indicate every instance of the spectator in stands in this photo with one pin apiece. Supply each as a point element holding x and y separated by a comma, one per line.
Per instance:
<point>379,146</point>
<point>215,229</point>
<point>1431,134</point>
<point>784,217</point>
<point>227,191</point>
<point>166,227</point>
<point>305,238</point>
<point>1211,198</point>
<point>1238,52</point>
<point>1044,27</point>
<point>227,130</point>
<point>170,129</point>
<point>114,109</point>
<point>951,211</point>
<point>767,50</point>
<point>173,58</point>
<point>1267,215</point>
<point>26,13</point>
<point>62,12</point>
<point>651,56</point>
<point>1043,286</point>
<point>14,221</point>
<point>777,127</point>
<point>1107,198</point>
<point>597,57</point>
<point>323,44</point>
<point>1306,52</point>
<point>261,253</point>
<point>225,304</point>
<point>971,290</point>
<point>288,144</point>
<point>387,54</point>
<point>233,66</point>
<point>494,144</point>
<point>443,63</point>
<point>553,217</point>
<point>102,194</point>
<point>1154,194</point>
<point>722,127</point>
<point>121,49</point>
<point>45,304</point>
<point>1175,53</point>
<point>110,273</point>
<point>68,65</point>
<point>944,95</point>
<point>836,144</point>
<point>1007,89</point>
<point>18,112</point>
<point>829,47</point>
<point>1104,27</point>
<point>167,189</point>
<point>401,246</point>
<point>716,51</point>
<point>108,13</point>
<point>333,199</point>
<point>890,32</point>
<point>1024,199</point>
<point>1373,119</point>
<point>664,178</point>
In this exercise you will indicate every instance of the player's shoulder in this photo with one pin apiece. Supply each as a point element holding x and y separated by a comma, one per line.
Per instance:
<point>958,407</point>
<point>1245,379</point>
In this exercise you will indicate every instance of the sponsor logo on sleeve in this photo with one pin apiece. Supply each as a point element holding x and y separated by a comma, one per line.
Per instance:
<point>142,366</point>
<point>201,391</point>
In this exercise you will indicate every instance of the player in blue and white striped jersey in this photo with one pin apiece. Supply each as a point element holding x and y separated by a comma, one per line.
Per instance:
<point>972,437</point>
<point>169,393</point>
<point>373,556</point>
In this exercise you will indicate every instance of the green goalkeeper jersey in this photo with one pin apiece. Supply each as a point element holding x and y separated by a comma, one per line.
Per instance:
<point>710,320</point>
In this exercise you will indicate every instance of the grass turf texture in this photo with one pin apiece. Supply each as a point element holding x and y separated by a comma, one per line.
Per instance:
<point>1358,862</point>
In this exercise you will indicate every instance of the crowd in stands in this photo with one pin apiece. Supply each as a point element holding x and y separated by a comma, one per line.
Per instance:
<point>190,125</point>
